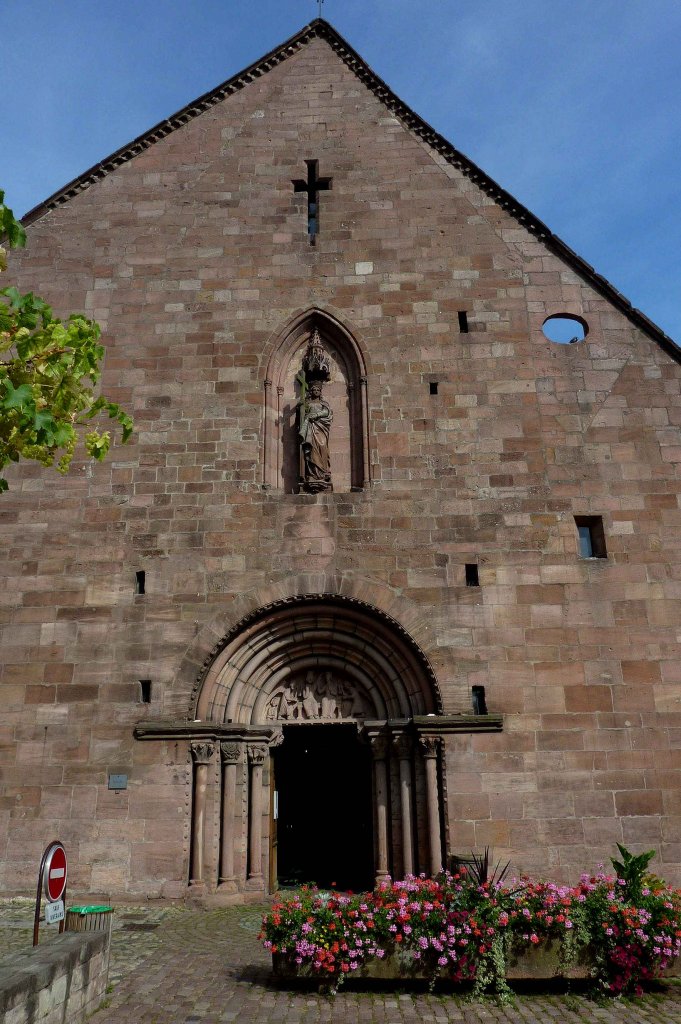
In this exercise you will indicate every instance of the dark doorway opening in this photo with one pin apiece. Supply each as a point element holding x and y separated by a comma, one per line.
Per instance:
<point>323,808</point>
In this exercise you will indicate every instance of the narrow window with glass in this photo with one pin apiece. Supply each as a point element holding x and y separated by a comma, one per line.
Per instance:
<point>591,537</point>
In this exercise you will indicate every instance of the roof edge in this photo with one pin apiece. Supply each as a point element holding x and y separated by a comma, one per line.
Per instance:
<point>320,28</point>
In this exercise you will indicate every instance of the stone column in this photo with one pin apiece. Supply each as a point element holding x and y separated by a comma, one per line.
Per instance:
<point>278,450</point>
<point>202,755</point>
<point>257,753</point>
<point>430,746</point>
<point>403,746</point>
<point>231,757</point>
<point>379,751</point>
<point>364,420</point>
<point>269,430</point>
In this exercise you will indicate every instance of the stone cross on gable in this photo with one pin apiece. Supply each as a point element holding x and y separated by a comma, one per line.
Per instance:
<point>312,186</point>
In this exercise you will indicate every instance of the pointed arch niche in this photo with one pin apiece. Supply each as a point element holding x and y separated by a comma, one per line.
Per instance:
<point>346,393</point>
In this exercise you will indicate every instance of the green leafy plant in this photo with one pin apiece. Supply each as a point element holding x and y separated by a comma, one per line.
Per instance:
<point>479,869</point>
<point>632,870</point>
<point>49,370</point>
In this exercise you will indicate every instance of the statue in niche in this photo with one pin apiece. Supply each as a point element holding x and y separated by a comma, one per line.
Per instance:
<point>314,419</point>
<point>318,696</point>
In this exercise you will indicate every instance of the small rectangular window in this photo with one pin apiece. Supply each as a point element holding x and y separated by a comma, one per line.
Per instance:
<point>463,321</point>
<point>140,581</point>
<point>479,700</point>
<point>145,691</point>
<point>591,537</point>
<point>472,575</point>
<point>433,387</point>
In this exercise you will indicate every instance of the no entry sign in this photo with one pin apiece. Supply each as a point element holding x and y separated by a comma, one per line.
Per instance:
<point>52,881</point>
<point>54,873</point>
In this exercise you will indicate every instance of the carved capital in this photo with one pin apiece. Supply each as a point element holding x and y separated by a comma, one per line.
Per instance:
<point>276,739</point>
<point>430,745</point>
<point>230,752</point>
<point>257,752</point>
<point>378,741</point>
<point>268,384</point>
<point>202,752</point>
<point>402,745</point>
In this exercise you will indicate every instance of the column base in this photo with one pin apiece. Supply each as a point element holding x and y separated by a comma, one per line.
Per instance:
<point>227,885</point>
<point>256,883</point>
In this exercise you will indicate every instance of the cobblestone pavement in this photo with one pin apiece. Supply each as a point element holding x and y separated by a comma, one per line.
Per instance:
<point>172,965</point>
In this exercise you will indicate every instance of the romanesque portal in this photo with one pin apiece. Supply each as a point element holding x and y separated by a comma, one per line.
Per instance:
<point>316,753</point>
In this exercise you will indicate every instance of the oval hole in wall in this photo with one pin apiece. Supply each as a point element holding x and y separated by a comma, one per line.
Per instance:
<point>565,329</point>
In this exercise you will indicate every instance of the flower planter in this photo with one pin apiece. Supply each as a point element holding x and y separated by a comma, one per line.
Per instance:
<point>541,962</point>
<point>454,930</point>
<point>524,963</point>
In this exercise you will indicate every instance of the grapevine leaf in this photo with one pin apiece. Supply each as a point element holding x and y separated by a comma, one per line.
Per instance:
<point>16,398</point>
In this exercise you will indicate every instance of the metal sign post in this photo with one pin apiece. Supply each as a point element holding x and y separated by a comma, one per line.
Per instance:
<point>52,881</point>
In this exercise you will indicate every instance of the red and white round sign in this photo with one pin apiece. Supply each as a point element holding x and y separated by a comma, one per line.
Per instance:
<point>54,873</point>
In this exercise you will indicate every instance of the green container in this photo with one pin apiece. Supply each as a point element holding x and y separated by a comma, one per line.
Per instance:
<point>94,909</point>
<point>92,918</point>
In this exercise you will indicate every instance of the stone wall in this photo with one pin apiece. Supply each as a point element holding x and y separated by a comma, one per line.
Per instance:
<point>64,979</point>
<point>194,257</point>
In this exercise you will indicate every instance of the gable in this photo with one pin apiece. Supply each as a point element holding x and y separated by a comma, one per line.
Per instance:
<point>444,153</point>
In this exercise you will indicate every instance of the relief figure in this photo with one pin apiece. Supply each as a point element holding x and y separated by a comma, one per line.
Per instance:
<point>318,696</point>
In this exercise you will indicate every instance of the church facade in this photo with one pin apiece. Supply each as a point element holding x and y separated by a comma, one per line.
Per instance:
<point>384,576</point>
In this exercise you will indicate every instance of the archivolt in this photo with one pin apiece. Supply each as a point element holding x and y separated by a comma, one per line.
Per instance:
<point>317,632</point>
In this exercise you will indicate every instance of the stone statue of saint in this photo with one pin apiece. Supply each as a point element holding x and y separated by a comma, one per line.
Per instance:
<point>314,430</point>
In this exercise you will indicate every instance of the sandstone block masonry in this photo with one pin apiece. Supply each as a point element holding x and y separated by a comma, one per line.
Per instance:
<point>481,447</point>
<point>62,980</point>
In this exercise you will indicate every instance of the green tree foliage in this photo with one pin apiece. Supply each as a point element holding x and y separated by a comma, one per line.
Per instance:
<point>48,372</point>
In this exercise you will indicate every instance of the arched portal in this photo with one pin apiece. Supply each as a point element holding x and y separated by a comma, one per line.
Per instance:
<point>346,640</point>
<point>298,686</point>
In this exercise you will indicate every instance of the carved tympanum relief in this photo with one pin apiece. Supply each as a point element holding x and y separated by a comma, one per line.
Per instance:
<point>318,696</point>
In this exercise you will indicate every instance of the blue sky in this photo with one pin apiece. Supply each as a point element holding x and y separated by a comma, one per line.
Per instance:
<point>573,106</point>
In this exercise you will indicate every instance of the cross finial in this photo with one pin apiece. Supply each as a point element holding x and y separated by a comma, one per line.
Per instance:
<point>320,4</point>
